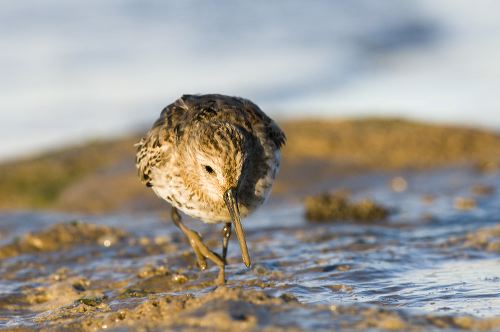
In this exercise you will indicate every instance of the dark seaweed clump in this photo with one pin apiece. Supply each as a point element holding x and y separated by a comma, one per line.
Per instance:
<point>337,206</point>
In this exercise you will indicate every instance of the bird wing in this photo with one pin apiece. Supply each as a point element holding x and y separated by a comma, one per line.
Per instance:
<point>259,118</point>
<point>156,146</point>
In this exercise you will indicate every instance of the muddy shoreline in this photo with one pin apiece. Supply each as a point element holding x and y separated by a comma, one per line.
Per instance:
<point>411,243</point>
<point>413,271</point>
<point>84,178</point>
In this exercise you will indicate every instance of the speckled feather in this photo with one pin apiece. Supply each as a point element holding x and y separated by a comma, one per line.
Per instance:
<point>230,134</point>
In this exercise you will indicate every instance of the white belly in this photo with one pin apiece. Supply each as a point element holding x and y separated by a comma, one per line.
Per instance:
<point>174,191</point>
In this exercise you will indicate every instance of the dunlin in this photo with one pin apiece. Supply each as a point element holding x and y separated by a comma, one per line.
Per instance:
<point>214,158</point>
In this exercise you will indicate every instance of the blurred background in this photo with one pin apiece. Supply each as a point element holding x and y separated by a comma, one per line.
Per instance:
<point>388,197</point>
<point>71,71</point>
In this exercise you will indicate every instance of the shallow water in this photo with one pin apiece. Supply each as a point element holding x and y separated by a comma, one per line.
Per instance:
<point>434,256</point>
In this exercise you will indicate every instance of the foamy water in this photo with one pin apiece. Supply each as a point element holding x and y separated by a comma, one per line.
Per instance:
<point>75,71</point>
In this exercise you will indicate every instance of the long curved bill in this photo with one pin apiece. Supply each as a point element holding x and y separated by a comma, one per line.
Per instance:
<point>231,200</point>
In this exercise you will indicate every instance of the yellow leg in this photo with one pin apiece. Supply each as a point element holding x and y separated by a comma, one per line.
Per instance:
<point>200,249</point>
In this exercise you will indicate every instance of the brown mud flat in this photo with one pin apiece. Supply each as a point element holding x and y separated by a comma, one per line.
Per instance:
<point>231,309</point>
<point>155,298</point>
<point>424,256</point>
<point>84,178</point>
<point>430,265</point>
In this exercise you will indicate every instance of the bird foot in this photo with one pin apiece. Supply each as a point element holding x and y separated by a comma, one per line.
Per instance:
<point>203,253</point>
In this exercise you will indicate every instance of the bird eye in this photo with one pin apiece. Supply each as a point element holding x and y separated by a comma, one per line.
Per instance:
<point>209,170</point>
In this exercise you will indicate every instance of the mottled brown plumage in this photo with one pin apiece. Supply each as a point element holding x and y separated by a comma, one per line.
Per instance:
<point>213,157</point>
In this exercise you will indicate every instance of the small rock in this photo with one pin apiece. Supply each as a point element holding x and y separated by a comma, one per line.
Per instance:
<point>287,297</point>
<point>180,278</point>
<point>488,167</point>
<point>337,206</point>
<point>340,288</point>
<point>463,322</point>
<point>462,203</point>
<point>91,301</point>
<point>428,198</point>
<point>482,190</point>
<point>81,285</point>
<point>399,184</point>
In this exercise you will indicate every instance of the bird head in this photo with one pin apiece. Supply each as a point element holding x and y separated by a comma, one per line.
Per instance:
<point>218,154</point>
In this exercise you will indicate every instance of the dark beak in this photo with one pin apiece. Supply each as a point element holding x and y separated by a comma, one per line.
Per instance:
<point>231,199</point>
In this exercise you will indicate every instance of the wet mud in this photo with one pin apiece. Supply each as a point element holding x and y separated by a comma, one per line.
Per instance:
<point>429,264</point>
